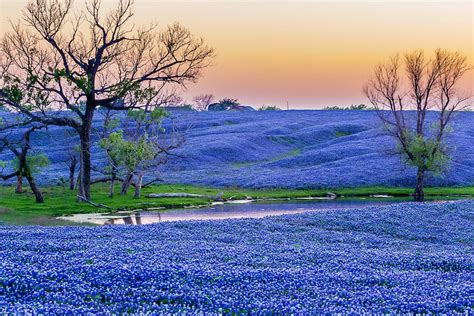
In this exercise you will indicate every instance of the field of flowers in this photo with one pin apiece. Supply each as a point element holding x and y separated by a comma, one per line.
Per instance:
<point>393,259</point>
<point>292,149</point>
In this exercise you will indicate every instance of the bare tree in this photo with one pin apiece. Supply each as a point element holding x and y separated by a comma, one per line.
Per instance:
<point>202,101</point>
<point>58,68</point>
<point>404,103</point>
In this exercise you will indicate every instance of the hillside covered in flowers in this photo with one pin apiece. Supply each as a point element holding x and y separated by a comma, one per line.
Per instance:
<point>291,149</point>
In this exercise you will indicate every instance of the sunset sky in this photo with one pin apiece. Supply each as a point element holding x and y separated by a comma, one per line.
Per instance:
<point>309,53</point>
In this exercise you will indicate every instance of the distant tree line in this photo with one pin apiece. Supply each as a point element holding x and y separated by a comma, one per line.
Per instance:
<point>352,107</point>
<point>269,108</point>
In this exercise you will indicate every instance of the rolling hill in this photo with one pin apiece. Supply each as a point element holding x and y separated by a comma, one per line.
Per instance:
<point>288,149</point>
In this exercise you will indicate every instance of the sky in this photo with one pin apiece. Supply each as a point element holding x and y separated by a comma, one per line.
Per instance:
<point>307,54</point>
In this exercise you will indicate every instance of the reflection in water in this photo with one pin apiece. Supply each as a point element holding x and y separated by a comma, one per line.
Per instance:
<point>228,211</point>
<point>233,210</point>
<point>138,218</point>
<point>128,220</point>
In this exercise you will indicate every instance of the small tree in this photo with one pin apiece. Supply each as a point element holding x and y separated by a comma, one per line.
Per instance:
<point>134,156</point>
<point>404,104</point>
<point>202,101</point>
<point>136,150</point>
<point>112,144</point>
<point>111,123</point>
<point>24,164</point>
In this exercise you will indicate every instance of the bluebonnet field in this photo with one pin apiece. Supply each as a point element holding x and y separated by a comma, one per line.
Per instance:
<point>292,149</point>
<point>395,259</point>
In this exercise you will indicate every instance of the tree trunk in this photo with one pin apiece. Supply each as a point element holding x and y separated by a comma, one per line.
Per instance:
<point>72,172</point>
<point>38,195</point>
<point>78,180</point>
<point>126,184</point>
<point>85,156</point>
<point>138,186</point>
<point>112,184</point>
<point>19,183</point>
<point>419,194</point>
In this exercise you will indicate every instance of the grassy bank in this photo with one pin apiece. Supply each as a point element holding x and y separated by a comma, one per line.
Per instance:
<point>22,209</point>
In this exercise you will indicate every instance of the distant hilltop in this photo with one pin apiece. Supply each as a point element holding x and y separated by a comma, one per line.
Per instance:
<point>229,107</point>
<point>214,107</point>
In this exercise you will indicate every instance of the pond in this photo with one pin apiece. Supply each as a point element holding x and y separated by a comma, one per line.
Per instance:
<point>236,209</point>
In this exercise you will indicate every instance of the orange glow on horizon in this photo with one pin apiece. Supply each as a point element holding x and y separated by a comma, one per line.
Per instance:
<point>309,53</point>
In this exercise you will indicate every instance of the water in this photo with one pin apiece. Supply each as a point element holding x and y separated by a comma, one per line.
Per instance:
<point>227,211</point>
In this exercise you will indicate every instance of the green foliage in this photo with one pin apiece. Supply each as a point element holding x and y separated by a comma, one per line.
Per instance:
<point>11,89</point>
<point>34,163</point>
<point>154,117</point>
<point>133,153</point>
<point>83,83</point>
<point>62,182</point>
<point>112,124</point>
<point>426,154</point>
<point>128,154</point>
<point>59,73</point>
<point>13,93</point>
<point>269,108</point>
<point>125,87</point>
<point>31,80</point>
<point>26,96</point>
<point>112,145</point>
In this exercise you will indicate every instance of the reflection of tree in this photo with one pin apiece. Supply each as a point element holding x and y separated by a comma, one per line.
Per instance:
<point>128,220</point>
<point>138,218</point>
